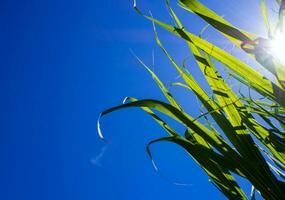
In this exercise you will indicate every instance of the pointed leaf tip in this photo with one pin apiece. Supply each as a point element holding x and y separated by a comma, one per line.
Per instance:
<point>154,165</point>
<point>98,128</point>
<point>150,155</point>
<point>126,99</point>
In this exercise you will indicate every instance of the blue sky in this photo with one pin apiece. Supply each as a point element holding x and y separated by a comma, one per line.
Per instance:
<point>62,63</point>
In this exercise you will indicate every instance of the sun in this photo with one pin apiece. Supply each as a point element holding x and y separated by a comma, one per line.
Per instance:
<point>277,47</point>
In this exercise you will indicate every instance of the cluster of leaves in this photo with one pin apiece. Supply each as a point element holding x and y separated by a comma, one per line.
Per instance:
<point>240,117</point>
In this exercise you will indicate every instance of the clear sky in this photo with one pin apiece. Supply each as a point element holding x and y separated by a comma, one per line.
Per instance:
<point>62,63</point>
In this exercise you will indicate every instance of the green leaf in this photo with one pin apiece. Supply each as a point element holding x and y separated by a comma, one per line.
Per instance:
<point>265,18</point>
<point>235,35</point>
<point>212,163</point>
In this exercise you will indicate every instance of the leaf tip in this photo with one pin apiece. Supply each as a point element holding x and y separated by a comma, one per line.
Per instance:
<point>150,156</point>
<point>99,128</point>
<point>154,165</point>
<point>125,100</point>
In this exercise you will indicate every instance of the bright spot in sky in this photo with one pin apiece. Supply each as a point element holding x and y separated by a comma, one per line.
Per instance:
<point>278,47</point>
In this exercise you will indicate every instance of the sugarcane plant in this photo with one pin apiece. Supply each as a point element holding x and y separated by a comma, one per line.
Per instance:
<point>242,134</point>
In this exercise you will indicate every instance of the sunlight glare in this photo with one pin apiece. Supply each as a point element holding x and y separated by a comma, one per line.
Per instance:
<point>278,47</point>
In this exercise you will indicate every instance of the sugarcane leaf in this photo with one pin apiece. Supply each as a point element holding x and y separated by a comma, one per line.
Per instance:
<point>265,18</point>
<point>211,162</point>
<point>162,87</point>
<point>214,139</point>
<point>236,35</point>
<point>160,121</point>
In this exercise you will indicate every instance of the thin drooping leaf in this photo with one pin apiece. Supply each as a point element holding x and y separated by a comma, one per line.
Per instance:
<point>215,140</point>
<point>208,159</point>
<point>179,116</point>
